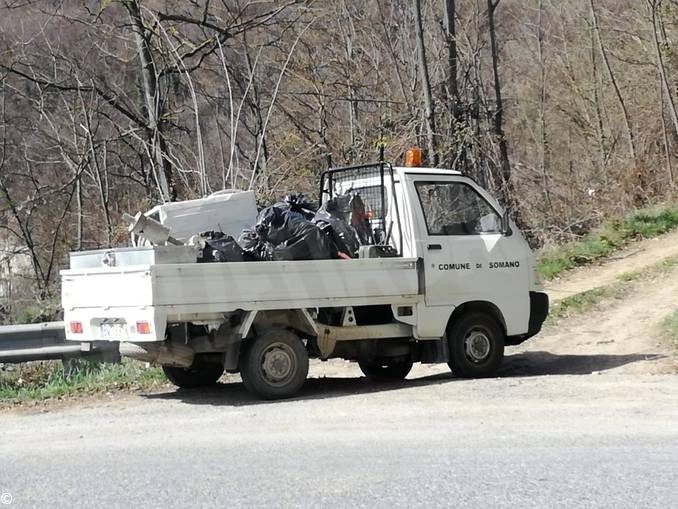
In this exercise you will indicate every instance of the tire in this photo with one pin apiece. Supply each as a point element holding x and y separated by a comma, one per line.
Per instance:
<point>274,365</point>
<point>387,369</point>
<point>476,343</point>
<point>200,374</point>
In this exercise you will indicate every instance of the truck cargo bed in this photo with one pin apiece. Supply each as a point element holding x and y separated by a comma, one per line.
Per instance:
<point>222,287</point>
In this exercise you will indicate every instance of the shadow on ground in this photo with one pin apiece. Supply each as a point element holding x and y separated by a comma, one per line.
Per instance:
<point>526,364</point>
<point>545,363</point>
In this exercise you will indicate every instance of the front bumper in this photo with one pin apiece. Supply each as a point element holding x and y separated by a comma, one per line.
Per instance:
<point>539,310</point>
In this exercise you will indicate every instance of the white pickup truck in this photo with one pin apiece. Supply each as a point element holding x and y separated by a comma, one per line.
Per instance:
<point>456,285</point>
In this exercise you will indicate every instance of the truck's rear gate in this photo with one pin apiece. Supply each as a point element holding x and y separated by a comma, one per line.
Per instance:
<point>107,287</point>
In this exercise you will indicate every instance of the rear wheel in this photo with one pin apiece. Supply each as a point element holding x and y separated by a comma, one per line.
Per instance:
<point>476,343</point>
<point>390,369</point>
<point>275,365</point>
<point>200,374</point>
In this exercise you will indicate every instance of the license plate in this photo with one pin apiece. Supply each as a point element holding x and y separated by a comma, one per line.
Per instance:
<point>114,331</point>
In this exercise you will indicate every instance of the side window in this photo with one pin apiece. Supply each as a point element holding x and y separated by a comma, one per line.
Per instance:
<point>454,208</point>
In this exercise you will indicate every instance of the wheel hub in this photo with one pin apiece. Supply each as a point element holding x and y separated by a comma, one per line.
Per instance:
<point>477,346</point>
<point>278,363</point>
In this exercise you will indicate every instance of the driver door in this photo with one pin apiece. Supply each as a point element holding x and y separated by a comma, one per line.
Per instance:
<point>466,256</point>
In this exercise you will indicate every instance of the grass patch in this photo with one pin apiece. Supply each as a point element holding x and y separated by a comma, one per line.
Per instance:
<point>582,301</point>
<point>671,325</point>
<point>45,380</point>
<point>47,310</point>
<point>608,238</point>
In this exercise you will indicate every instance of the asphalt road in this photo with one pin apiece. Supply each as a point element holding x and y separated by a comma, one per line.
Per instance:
<point>564,440</point>
<point>583,415</point>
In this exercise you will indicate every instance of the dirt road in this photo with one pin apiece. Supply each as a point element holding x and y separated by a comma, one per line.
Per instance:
<point>585,414</point>
<point>635,257</point>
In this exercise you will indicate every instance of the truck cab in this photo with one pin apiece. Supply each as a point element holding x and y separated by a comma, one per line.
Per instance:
<point>449,279</point>
<point>469,249</point>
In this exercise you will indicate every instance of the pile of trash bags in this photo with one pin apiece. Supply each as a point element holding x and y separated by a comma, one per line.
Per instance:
<point>294,230</point>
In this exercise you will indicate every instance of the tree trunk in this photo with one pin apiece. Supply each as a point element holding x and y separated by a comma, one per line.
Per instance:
<point>432,155</point>
<point>152,100</point>
<point>652,6</point>
<point>542,106</point>
<point>600,129</point>
<point>505,184</point>
<point>665,134</point>
<point>78,226</point>
<point>456,118</point>
<point>638,177</point>
<point>663,88</point>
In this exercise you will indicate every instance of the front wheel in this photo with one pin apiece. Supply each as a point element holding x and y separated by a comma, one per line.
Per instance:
<point>200,374</point>
<point>275,365</point>
<point>476,343</point>
<point>386,370</point>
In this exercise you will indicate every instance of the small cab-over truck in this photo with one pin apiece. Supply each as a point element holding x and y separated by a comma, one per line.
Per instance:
<point>450,280</point>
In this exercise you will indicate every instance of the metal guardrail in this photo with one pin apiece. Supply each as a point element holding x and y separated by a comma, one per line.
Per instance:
<point>45,341</point>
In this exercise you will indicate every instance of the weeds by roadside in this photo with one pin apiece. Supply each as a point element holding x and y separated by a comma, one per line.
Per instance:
<point>44,380</point>
<point>608,238</point>
<point>581,302</point>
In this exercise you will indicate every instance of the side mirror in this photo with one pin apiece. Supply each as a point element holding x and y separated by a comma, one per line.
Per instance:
<point>506,223</point>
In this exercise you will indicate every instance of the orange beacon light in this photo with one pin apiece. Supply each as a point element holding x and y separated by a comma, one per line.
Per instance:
<point>413,157</point>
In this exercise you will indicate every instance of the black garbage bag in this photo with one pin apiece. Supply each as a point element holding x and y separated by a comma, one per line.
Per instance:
<point>297,203</point>
<point>305,241</point>
<point>271,221</point>
<point>254,246</point>
<point>282,233</point>
<point>345,216</point>
<point>222,248</point>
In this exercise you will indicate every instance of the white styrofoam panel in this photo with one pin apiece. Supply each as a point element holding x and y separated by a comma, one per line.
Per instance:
<point>228,212</point>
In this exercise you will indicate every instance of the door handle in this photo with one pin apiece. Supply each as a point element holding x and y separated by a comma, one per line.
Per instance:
<point>434,246</point>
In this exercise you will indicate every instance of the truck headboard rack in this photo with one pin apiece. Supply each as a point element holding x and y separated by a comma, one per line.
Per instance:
<point>376,185</point>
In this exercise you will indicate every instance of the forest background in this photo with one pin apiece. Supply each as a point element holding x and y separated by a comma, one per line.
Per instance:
<point>565,109</point>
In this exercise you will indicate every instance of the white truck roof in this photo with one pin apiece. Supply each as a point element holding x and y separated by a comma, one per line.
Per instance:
<point>427,171</point>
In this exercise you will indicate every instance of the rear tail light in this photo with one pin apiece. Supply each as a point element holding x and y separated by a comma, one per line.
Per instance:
<point>143,328</point>
<point>76,327</point>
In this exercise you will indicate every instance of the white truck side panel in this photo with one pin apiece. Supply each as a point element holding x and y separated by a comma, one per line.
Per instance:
<point>294,283</point>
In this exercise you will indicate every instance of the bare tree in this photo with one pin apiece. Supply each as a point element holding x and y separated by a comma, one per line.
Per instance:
<point>505,184</point>
<point>653,6</point>
<point>622,103</point>
<point>152,100</point>
<point>545,149</point>
<point>429,110</point>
